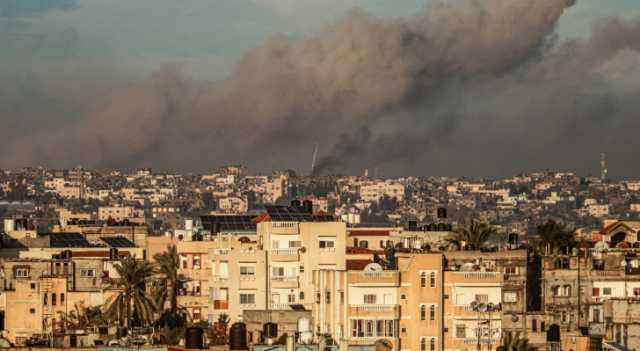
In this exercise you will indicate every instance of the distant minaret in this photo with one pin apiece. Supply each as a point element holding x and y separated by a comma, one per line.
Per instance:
<point>603,166</point>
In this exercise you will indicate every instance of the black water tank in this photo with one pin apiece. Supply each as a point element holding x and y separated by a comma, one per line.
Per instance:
<point>238,337</point>
<point>553,333</point>
<point>270,330</point>
<point>122,332</point>
<point>308,206</point>
<point>193,338</point>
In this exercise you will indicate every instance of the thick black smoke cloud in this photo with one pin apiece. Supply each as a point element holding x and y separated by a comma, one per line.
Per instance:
<point>468,87</point>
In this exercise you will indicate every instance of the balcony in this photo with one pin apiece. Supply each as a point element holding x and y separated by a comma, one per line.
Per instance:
<point>285,255</point>
<point>383,278</point>
<point>219,279</point>
<point>476,277</point>
<point>220,304</point>
<point>284,282</point>
<point>596,328</point>
<point>391,311</point>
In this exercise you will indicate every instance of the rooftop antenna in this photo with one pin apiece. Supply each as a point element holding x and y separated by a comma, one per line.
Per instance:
<point>313,159</point>
<point>603,166</point>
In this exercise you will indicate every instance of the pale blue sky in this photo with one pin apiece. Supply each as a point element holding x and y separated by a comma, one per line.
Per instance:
<point>207,36</point>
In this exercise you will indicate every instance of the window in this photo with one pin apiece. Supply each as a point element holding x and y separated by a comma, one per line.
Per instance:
<point>461,331</point>
<point>566,290</point>
<point>363,244</point>
<point>275,244</point>
<point>482,298</point>
<point>432,280</point>
<point>301,268</point>
<point>596,315</point>
<point>61,298</point>
<point>88,273</point>
<point>32,310</point>
<point>291,298</point>
<point>248,270</point>
<point>196,262</point>
<point>423,344</point>
<point>301,296</point>
<point>432,344</point>
<point>510,297</point>
<point>606,291</point>
<point>183,259</point>
<point>45,299</point>
<point>432,313</point>
<point>342,297</point>
<point>295,244</point>
<point>53,299</point>
<point>534,325</point>
<point>369,299</point>
<point>423,280</point>
<point>247,299</point>
<point>423,312</point>
<point>460,300</point>
<point>403,297</point>
<point>33,286</point>
<point>542,327</point>
<point>22,273</point>
<point>511,270</point>
<point>327,244</point>
<point>596,292</point>
<point>327,297</point>
<point>277,271</point>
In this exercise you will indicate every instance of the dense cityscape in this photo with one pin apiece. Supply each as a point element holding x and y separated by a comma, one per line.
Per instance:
<point>540,260</point>
<point>320,175</point>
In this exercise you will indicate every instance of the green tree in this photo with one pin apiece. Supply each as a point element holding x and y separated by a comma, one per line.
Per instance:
<point>166,290</point>
<point>516,343</point>
<point>475,235</point>
<point>81,317</point>
<point>132,299</point>
<point>167,265</point>
<point>553,236</point>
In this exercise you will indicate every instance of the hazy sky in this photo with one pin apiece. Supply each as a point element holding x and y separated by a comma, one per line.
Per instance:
<point>208,36</point>
<point>66,62</point>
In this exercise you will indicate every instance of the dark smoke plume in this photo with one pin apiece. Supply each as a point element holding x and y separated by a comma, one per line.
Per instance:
<point>473,87</point>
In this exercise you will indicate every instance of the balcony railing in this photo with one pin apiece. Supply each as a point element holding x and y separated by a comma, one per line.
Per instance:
<point>374,278</point>
<point>478,275</point>
<point>285,252</point>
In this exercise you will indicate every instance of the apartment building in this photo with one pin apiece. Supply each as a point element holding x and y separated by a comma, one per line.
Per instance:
<point>121,213</point>
<point>275,268</point>
<point>35,291</point>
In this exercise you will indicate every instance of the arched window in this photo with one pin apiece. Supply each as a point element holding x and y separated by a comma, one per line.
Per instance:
<point>423,280</point>
<point>432,313</point>
<point>423,312</point>
<point>432,280</point>
<point>555,290</point>
<point>566,290</point>
<point>432,344</point>
<point>423,344</point>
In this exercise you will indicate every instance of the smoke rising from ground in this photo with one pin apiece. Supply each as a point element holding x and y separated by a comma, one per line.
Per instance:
<point>467,87</point>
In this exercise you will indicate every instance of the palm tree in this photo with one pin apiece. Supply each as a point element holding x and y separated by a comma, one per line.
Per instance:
<point>132,299</point>
<point>553,236</point>
<point>516,343</point>
<point>81,317</point>
<point>167,265</point>
<point>475,235</point>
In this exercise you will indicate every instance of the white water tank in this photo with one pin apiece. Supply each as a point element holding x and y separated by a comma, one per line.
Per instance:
<point>304,330</point>
<point>8,225</point>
